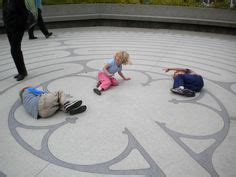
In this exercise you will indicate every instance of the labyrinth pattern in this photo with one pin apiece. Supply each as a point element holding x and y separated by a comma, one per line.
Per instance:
<point>136,129</point>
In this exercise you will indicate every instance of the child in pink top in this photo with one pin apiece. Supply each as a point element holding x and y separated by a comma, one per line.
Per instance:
<point>105,76</point>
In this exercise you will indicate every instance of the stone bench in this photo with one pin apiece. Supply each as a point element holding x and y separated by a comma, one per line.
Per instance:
<point>138,15</point>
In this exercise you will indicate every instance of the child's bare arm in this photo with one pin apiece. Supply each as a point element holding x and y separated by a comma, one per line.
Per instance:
<point>123,77</point>
<point>176,69</point>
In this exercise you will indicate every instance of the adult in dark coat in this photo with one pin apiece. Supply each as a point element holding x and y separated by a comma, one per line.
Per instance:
<point>41,24</point>
<point>15,17</point>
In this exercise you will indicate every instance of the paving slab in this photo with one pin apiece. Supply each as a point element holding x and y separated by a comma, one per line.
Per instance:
<point>136,129</point>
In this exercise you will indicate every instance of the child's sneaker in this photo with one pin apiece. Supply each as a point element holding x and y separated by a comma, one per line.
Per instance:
<point>189,93</point>
<point>68,106</point>
<point>185,92</point>
<point>78,110</point>
<point>178,90</point>
<point>98,92</point>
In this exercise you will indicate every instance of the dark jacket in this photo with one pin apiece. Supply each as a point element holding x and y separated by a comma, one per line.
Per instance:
<point>14,14</point>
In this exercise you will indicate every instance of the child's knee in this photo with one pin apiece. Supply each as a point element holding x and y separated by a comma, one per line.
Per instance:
<point>105,85</point>
<point>116,83</point>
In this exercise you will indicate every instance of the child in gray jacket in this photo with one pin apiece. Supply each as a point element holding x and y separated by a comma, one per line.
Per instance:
<point>41,104</point>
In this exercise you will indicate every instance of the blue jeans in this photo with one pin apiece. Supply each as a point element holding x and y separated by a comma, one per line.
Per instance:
<point>189,81</point>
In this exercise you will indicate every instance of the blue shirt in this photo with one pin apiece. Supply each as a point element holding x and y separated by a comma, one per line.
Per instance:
<point>35,91</point>
<point>38,4</point>
<point>113,67</point>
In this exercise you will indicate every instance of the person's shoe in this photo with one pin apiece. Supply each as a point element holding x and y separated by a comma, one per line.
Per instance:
<point>17,75</point>
<point>78,110</point>
<point>98,92</point>
<point>68,106</point>
<point>32,37</point>
<point>185,92</point>
<point>98,84</point>
<point>48,35</point>
<point>20,77</point>
<point>179,91</point>
<point>189,93</point>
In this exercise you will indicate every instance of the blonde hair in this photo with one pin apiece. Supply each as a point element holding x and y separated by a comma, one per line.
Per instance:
<point>124,56</point>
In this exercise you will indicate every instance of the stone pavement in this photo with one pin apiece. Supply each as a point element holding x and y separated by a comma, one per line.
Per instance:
<point>136,129</point>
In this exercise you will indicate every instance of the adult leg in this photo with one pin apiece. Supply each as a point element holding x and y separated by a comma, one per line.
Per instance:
<point>42,25</point>
<point>31,33</point>
<point>15,39</point>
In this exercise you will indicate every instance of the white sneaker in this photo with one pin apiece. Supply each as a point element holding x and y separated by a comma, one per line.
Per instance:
<point>68,106</point>
<point>185,92</point>
<point>178,90</point>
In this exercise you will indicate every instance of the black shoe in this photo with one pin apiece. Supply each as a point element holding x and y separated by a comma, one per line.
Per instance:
<point>78,110</point>
<point>185,92</point>
<point>179,91</point>
<point>32,37</point>
<point>21,77</point>
<point>98,92</point>
<point>48,35</point>
<point>17,75</point>
<point>72,105</point>
<point>189,93</point>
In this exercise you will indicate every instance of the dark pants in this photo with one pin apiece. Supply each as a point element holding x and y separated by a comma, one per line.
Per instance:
<point>40,24</point>
<point>15,38</point>
<point>190,81</point>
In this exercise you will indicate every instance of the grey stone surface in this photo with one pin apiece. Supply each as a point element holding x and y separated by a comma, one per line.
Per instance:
<point>136,129</point>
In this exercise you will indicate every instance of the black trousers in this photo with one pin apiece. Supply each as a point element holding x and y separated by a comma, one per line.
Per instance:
<point>40,24</point>
<point>15,38</point>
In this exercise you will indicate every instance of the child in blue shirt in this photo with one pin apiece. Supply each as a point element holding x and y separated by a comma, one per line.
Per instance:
<point>105,76</point>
